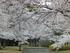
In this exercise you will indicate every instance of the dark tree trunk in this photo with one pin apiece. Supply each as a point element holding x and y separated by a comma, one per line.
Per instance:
<point>0,43</point>
<point>4,43</point>
<point>30,42</point>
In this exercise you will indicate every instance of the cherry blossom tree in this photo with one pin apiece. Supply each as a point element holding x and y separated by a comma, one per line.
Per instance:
<point>46,18</point>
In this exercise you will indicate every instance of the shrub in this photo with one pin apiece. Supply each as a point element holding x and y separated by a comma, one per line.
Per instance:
<point>51,47</point>
<point>45,43</point>
<point>64,47</point>
<point>67,46</point>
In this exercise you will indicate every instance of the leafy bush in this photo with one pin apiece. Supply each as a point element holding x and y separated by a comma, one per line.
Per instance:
<point>51,47</point>
<point>45,43</point>
<point>32,9</point>
<point>67,46</point>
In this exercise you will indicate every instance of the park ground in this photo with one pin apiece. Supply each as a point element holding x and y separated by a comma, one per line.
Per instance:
<point>10,49</point>
<point>65,51</point>
<point>14,49</point>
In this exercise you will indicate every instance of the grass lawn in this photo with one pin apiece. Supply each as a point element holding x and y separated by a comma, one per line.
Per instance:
<point>66,51</point>
<point>24,46</point>
<point>10,49</point>
<point>27,46</point>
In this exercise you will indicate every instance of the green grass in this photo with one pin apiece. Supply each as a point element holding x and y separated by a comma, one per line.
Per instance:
<point>66,51</point>
<point>10,49</point>
<point>25,46</point>
<point>13,49</point>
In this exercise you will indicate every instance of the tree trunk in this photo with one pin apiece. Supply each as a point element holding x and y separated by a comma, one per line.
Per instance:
<point>0,44</point>
<point>20,47</point>
<point>30,42</point>
<point>4,43</point>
